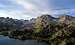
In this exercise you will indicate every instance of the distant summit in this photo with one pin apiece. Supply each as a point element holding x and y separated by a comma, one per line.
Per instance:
<point>47,16</point>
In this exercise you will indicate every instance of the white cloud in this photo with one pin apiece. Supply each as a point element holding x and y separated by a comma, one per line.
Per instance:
<point>4,14</point>
<point>28,9</point>
<point>28,6</point>
<point>14,14</point>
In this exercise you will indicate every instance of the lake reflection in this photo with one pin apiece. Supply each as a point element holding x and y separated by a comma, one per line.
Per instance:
<point>8,41</point>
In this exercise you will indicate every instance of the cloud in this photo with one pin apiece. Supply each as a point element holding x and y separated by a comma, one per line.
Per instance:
<point>27,9</point>
<point>14,14</point>
<point>9,5</point>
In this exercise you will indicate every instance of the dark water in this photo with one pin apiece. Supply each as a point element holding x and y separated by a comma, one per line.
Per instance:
<point>8,41</point>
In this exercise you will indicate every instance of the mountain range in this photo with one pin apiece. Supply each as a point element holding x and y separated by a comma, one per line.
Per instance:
<point>15,24</point>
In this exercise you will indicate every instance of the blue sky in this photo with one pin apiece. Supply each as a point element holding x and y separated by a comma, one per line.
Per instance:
<point>27,9</point>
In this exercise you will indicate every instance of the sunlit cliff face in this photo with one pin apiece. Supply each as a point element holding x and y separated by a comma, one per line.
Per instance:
<point>65,19</point>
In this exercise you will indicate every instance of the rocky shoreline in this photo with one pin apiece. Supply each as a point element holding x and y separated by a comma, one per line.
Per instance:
<point>23,37</point>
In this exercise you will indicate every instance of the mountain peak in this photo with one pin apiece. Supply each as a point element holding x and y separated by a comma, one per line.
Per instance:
<point>46,16</point>
<point>66,19</point>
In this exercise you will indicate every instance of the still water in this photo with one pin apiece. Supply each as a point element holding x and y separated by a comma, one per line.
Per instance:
<point>8,41</point>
